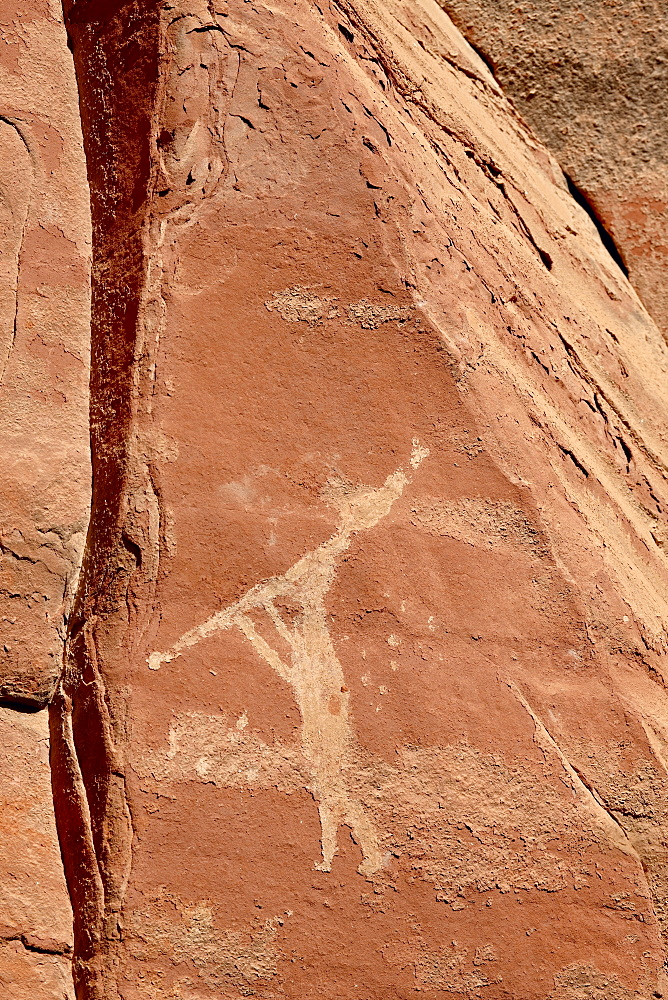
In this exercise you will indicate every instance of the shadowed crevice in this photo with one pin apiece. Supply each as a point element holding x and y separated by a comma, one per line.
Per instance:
<point>607,239</point>
<point>115,48</point>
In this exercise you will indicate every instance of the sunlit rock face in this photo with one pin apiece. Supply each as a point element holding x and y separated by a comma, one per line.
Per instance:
<point>591,78</point>
<point>44,347</point>
<point>45,248</point>
<point>363,676</point>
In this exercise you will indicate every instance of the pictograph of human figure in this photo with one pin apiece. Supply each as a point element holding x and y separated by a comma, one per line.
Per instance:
<point>313,670</point>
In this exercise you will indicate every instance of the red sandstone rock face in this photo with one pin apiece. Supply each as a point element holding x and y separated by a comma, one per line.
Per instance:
<point>361,697</point>
<point>45,482</point>
<point>44,334</point>
<point>35,917</point>
<point>364,690</point>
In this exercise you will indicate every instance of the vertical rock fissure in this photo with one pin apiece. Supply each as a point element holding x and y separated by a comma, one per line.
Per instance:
<point>123,61</point>
<point>115,49</point>
<point>8,348</point>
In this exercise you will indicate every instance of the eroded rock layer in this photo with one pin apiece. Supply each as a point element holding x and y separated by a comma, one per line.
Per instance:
<point>364,688</point>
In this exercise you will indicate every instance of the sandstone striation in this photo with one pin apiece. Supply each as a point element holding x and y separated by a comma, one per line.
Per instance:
<point>364,681</point>
<point>591,78</point>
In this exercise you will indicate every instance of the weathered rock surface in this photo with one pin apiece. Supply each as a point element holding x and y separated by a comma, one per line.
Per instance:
<point>35,916</point>
<point>44,337</point>
<point>591,77</point>
<point>365,685</point>
<point>364,691</point>
<point>45,483</point>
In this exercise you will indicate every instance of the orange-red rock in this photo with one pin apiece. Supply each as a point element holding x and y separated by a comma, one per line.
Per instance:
<point>45,482</point>
<point>364,687</point>
<point>35,916</point>
<point>44,338</point>
<point>591,77</point>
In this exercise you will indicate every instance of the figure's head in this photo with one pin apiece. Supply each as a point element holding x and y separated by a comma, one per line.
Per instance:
<point>362,507</point>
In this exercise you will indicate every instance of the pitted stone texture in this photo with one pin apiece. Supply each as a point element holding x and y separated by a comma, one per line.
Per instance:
<point>591,78</point>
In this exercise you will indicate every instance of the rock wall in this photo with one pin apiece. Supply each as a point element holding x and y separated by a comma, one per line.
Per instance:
<point>44,352</point>
<point>591,78</point>
<point>45,482</point>
<point>363,692</point>
<point>364,686</point>
<point>35,916</point>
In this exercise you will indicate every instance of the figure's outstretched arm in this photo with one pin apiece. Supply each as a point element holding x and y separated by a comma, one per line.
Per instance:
<point>262,647</point>
<point>260,597</point>
<point>370,507</point>
<point>216,623</point>
<point>257,596</point>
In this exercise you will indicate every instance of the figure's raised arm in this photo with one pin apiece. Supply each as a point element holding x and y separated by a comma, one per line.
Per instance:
<point>259,596</point>
<point>216,623</point>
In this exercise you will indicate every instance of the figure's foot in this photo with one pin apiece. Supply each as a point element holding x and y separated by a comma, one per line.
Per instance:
<point>373,864</point>
<point>323,866</point>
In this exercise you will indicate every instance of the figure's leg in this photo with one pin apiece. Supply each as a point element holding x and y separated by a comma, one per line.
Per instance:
<point>365,835</point>
<point>329,828</point>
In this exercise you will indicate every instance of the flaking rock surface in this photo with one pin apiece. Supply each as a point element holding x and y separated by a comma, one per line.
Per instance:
<point>364,692</point>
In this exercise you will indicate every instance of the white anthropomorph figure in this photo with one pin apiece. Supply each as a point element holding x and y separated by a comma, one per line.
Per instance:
<point>313,670</point>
